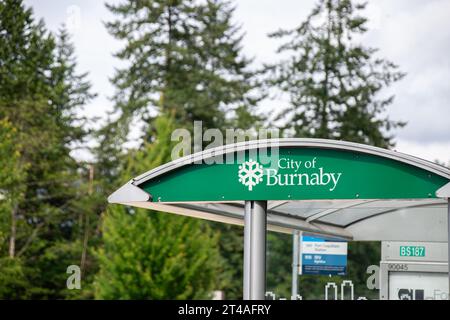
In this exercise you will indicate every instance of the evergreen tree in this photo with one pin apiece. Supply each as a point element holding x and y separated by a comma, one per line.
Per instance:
<point>231,248</point>
<point>333,82</point>
<point>25,52</point>
<point>12,281</point>
<point>39,93</point>
<point>153,255</point>
<point>110,156</point>
<point>334,85</point>
<point>71,90</point>
<point>183,59</point>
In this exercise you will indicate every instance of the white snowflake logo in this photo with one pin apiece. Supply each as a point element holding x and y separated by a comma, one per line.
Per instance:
<point>250,173</point>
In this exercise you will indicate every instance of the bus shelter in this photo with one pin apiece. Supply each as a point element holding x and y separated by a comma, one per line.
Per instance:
<point>335,188</point>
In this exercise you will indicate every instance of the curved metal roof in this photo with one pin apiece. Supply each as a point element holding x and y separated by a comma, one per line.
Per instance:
<point>357,219</point>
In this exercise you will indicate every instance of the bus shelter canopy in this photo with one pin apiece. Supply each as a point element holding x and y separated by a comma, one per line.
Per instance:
<point>338,188</point>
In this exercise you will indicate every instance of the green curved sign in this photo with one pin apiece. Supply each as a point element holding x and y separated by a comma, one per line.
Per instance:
<point>296,174</point>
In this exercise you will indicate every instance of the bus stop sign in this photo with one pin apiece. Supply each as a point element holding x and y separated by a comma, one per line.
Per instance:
<point>323,256</point>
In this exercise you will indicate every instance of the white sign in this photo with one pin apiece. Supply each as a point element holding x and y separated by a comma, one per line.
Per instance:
<point>418,286</point>
<point>323,256</point>
<point>324,248</point>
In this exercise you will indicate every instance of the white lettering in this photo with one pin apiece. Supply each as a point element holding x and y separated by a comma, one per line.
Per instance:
<point>314,179</point>
<point>272,173</point>
<point>335,180</point>
<point>281,162</point>
<point>318,178</point>
<point>322,176</point>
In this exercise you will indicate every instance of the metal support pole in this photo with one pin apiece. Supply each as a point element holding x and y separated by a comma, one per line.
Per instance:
<point>448,245</point>
<point>255,221</point>
<point>258,251</point>
<point>247,232</point>
<point>295,260</point>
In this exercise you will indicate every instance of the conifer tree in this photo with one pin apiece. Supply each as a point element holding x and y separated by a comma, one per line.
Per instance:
<point>183,58</point>
<point>40,92</point>
<point>12,280</point>
<point>71,90</point>
<point>154,255</point>
<point>334,83</point>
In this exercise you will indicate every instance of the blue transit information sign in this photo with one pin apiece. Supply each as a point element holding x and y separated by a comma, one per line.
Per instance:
<point>323,256</point>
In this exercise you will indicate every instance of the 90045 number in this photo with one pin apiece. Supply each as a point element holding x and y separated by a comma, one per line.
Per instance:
<point>397,267</point>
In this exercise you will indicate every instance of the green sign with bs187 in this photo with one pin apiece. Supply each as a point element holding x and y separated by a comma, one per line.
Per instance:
<point>412,251</point>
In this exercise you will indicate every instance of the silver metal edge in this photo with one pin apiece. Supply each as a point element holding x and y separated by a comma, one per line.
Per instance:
<point>444,192</point>
<point>128,192</point>
<point>236,216</point>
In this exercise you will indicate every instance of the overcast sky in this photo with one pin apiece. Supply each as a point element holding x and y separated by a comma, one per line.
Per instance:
<point>415,34</point>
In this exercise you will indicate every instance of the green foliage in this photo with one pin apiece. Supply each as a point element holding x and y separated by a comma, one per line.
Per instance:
<point>13,281</point>
<point>183,58</point>
<point>25,53</point>
<point>71,91</point>
<point>153,255</point>
<point>361,255</point>
<point>40,94</point>
<point>149,255</point>
<point>48,276</point>
<point>279,264</point>
<point>231,248</point>
<point>334,82</point>
<point>11,174</point>
<point>183,63</point>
